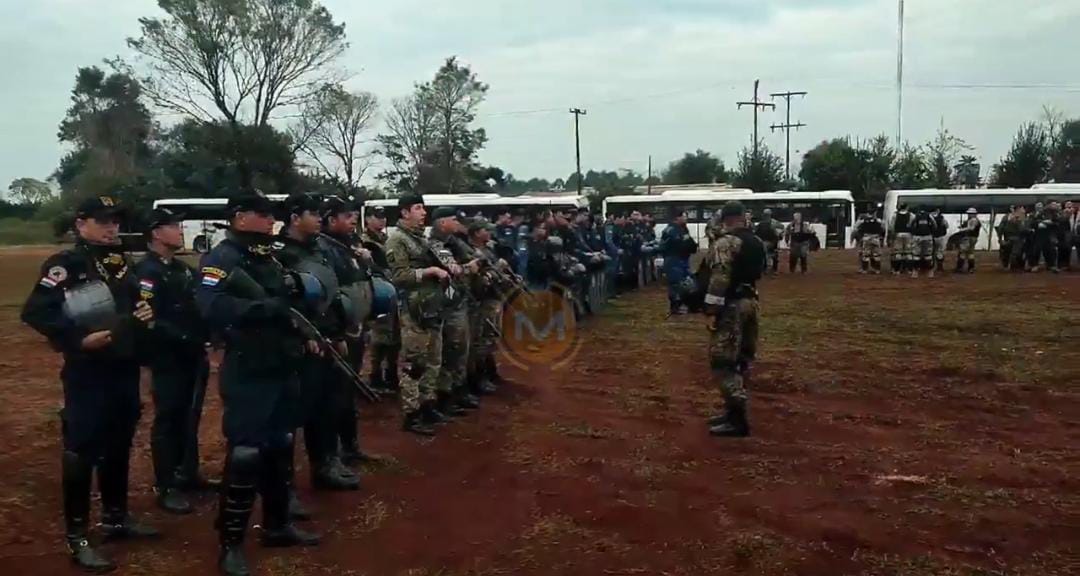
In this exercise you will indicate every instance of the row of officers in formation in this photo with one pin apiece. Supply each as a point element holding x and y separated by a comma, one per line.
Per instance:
<point>293,313</point>
<point>1028,239</point>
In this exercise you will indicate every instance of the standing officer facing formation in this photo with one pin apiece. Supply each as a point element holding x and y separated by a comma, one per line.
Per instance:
<point>86,303</point>
<point>733,266</point>
<point>677,247</point>
<point>798,235</point>
<point>179,366</point>
<point>386,331</point>
<point>244,298</point>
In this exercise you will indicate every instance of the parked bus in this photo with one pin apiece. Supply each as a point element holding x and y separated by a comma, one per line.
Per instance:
<point>830,213</point>
<point>489,205</point>
<point>204,219</point>
<point>992,204</point>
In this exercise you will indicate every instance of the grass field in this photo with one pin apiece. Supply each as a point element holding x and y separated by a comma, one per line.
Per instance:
<point>901,428</point>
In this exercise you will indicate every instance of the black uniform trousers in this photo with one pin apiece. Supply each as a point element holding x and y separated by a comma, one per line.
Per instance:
<point>178,386</point>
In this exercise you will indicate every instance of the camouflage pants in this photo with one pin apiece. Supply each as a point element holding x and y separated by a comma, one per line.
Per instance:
<point>484,337</point>
<point>939,248</point>
<point>732,346</point>
<point>455,350</point>
<point>870,249</point>
<point>924,248</point>
<point>967,247</point>
<point>901,248</point>
<point>386,331</point>
<point>423,349</point>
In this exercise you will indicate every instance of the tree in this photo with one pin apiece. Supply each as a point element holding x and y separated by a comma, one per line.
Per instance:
<point>967,172</point>
<point>1027,161</point>
<point>831,165</point>
<point>454,96</point>
<point>697,168</point>
<point>761,172</point>
<point>911,171</point>
<point>1065,153</point>
<point>237,60</point>
<point>109,128</point>
<point>30,191</point>
<point>874,165</point>
<point>942,153</point>
<point>430,143</point>
<point>330,134</point>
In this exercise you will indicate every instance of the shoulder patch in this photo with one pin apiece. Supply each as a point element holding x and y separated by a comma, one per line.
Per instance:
<point>211,275</point>
<point>54,276</point>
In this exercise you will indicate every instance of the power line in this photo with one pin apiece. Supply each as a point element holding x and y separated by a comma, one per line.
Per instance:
<point>787,126</point>
<point>756,104</point>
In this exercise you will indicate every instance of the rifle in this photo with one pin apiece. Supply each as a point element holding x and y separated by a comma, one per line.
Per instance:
<point>246,286</point>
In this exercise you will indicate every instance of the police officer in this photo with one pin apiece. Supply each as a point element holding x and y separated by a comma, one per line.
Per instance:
<point>385,331</point>
<point>244,297</point>
<point>969,235</point>
<point>798,235</point>
<point>922,233</point>
<point>178,362</point>
<point>1011,232</point>
<point>941,233</point>
<point>484,317</point>
<point>769,231</point>
<point>352,265</point>
<point>422,284</point>
<point>505,236</point>
<point>900,230</point>
<point>677,247</point>
<point>86,303</point>
<point>298,249</point>
<point>869,234</point>
<point>455,255</point>
<point>733,266</point>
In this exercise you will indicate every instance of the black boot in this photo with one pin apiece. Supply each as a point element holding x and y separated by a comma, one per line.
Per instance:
<point>326,476</point>
<point>971,266</point>
<point>173,501</point>
<point>492,368</point>
<point>430,415</point>
<point>736,424</point>
<point>446,404</point>
<point>77,472</point>
<point>462,399</point>
<point>116,523</point>
<point>242,467</point>
<point>718,419</point>
<point>959,266</point>
<point>278,529</point>
<point>484,382</point>
<point>414,423</point>
<point>296,508</point>
<point>941,265</point>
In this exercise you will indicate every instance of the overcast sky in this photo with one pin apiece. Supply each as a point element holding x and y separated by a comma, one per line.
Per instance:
<point>657,77</point>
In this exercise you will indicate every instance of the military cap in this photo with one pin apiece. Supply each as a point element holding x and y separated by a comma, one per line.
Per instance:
<point>376,212</point>
<point>250,201</point>
<point>299,203</point>
<point>163,217</point>
<point>477,224</point>
<point>410,199</point>
<point>445,212</point>
<point>972,211</point>
<point>98,206</point>
<point>334,205</point>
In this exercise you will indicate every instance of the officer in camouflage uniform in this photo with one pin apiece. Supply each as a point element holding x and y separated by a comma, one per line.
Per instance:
<point>386,331</point>
<point>454,395</point>
<point>178,364</point>
<point>969,236</point>
<point>423,285</point>
<point>941,235</point>
<point>298,249</point>
<point>100,376</point>
<point>900,230</point>
<point>733,265</point>
<point>1011,232</point>
<point>798,235</point>
<point>484,320</point>
<point>922,234</point>
<point>870,234</point>
<point>769,231</point>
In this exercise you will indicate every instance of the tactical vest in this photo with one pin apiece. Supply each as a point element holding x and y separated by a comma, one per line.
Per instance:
<point>902,224</point>
<point>747,266</point>
<point>922,226</point>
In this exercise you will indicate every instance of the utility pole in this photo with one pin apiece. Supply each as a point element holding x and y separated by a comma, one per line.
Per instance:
<point>578,112</point>
<point>900,78</point>
<point>756,104</point>
<point>787,126</point>
<point>648,181</point>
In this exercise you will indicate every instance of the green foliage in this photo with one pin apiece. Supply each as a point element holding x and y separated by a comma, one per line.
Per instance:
<point>700,167</point>
<point>1027,162</point>
<point>330,133</point>
<point>911,171</point>
<point>18,231</point>
<point>761,172</point>
<point>941,155</point>
<point>30,191</point>
<point>866,170</point>
<point>967,171</point>
<point>1065,153</point>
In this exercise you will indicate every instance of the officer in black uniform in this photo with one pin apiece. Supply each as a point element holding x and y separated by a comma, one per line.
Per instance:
<point>297,248</point>
<point>244,297</point>
<point>86,304</point>
<point>352,265</point>
<point>178,363</point>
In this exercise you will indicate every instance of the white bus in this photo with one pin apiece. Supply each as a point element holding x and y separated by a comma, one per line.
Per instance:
<point>489,205</point>
<point>204,219</point>
<point>831,213</point>
<point>992,204</point>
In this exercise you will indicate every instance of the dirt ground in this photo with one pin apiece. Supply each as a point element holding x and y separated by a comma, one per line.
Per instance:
<point>901,427</point>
